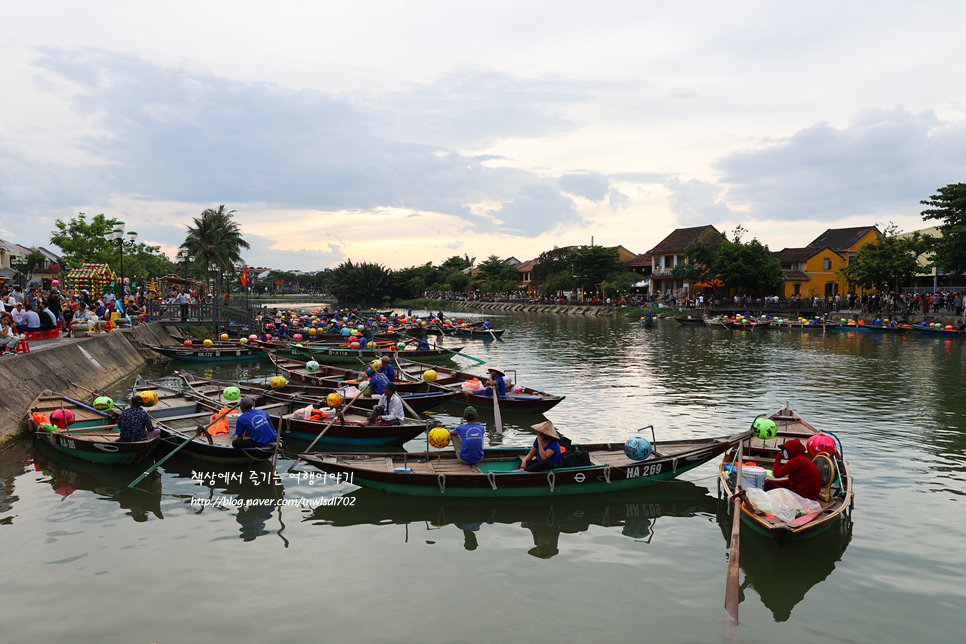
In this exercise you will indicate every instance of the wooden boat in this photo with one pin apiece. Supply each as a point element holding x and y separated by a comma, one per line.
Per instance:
<point>327,376</point>
<point>802,326</point>
<point>874,328</point>
<point>647,322</point>
<point>836,477</point>
<point>222,352</point>
<point>689,321</point>
<point>529,400</point>
<point>353,356</point>
<point>928,330</point>
<point>429,396</point>
<point>496,476</point>
<point>93,435</point>
<point>482,334</point>
<point>180,416</point>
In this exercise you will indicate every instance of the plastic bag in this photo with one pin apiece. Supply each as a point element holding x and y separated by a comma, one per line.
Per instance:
<point>469,386</point>
<point>788,506</point>
<point>758,498</point>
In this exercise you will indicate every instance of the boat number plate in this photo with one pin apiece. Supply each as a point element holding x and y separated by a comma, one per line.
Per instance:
<point>646,470</point>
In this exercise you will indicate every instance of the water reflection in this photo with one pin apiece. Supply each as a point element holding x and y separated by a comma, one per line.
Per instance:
<point>783,575</point>
<point>635,512</point>
<point>66,475</point>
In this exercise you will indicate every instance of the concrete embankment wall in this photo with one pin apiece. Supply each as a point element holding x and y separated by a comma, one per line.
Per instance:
<point>605,311</point>
<point>93,363</point>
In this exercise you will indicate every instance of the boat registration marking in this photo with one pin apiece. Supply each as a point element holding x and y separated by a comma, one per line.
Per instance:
<point>645,470</point>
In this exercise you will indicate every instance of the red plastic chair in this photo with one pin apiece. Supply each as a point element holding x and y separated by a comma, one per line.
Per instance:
<point>34,335</point>
<point>23,346</point>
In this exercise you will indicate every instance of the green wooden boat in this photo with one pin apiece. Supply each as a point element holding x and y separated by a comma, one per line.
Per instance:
<point>331,355</point>
<point>498,475</point>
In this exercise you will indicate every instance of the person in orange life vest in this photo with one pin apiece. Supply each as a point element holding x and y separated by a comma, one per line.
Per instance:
<point>802,476</point>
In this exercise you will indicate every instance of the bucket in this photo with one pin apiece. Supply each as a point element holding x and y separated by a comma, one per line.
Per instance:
<point>752,476</point>
<point>147,318</point>
<point>232,423</point>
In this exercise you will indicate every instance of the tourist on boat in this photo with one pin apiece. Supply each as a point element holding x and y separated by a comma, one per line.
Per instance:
<point>546,448</point>
<point>253,427</point>
<point>495,380</point>
<point>389,409</point>
<point>487,324</point>
<point>422,344</point>
<point>387,369</point>
<point>798,474</point>
<point>135,424</point>
<point>468,438</point>
<point>377,381</point>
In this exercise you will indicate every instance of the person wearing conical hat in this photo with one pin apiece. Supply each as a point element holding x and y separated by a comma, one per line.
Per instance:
<point>546,449</point>
<point>495,380</point>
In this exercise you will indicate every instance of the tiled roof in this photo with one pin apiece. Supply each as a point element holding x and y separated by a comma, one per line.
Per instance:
<point>527,266</point>
<point>786,255</point>
<point>644,259</point>
<point>795,275</point>
<point>841,238</point>
<point>680,239</point>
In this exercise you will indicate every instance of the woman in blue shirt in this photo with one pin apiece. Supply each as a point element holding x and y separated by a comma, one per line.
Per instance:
<point>546,448</point>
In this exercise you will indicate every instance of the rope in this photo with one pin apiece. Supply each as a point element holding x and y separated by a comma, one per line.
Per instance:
<point>552,479</point>
<point>607,473</point>
<point>491,477</point>
<point>441,480</point>
<point>674,466</point>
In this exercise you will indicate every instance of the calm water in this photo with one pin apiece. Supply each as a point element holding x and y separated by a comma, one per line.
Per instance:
<point>78,565</point>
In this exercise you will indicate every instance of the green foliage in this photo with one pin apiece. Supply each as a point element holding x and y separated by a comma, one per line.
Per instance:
<point>591,265</point>
<point>552,262</point>
<point>456,263</point>
<point>557,283</point>
<point>886,262</point>
<point>747,267</point>
<point>457,281</point>
<point>363,283</point>
<point>82,242</point>
<point>411,282</point>
<point>215,241</point>
<point>34,262</point>
<point>496,277</point>
<point>949,206</point>
<point>700,258</point>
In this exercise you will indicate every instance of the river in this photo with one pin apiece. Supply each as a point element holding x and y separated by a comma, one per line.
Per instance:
<point>78,564</point>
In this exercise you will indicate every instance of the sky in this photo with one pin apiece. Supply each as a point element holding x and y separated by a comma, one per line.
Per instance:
<point>407,132</point>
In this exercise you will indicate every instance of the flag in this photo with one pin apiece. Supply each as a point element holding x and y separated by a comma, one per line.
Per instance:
<point>244,277</point>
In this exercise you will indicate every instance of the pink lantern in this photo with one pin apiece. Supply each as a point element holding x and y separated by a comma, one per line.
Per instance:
<point>268,337</point>
<point>269,326</point>
<point>55,283</point>
<point>297,337</point>
<point>187,343</point>
<point>353,345</point>
<point>821,444</point>
<point>252,338</point>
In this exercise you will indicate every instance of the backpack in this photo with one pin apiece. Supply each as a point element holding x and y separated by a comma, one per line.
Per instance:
<point>575,458</point>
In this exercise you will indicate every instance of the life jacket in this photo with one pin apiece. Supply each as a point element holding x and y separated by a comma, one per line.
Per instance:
<point>221,427</point>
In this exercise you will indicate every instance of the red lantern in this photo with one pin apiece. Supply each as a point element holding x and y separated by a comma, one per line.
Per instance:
<point>821,444</point>
<point>187,343</point>
<point>353,345</point>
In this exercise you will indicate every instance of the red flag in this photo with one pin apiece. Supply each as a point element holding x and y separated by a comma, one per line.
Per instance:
<point>244,277</point>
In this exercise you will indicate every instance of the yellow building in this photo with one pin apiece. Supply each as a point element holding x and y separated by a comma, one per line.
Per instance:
<point>813,270</point>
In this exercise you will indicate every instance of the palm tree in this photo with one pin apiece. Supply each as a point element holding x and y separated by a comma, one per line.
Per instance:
<point>215,239</point>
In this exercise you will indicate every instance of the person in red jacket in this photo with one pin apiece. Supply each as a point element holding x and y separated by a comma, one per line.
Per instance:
<point>798,474</point>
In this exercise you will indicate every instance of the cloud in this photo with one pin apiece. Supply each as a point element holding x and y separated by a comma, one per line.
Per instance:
<point>263,252</point>
<point>169,134</point>
<point>617,200</point>
<point>589,185</point>
<point>696,202</point>
<point>884,162</point>
<point>536,208</point>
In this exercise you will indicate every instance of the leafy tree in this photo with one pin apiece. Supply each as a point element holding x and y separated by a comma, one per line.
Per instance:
<point>216,241</point>
<point>747,266</point>
<point>456,263</point>
<point>949,206</point>
<point>552,262</point>
<point>700,260</point>
<point>494,276</point>
<point>363,283</point>
<point>34,262</point>
<point>887,261</point>
<point>557,283</point>
<point>593,264</point>
<point>457,281</point>
<point>411,282</point>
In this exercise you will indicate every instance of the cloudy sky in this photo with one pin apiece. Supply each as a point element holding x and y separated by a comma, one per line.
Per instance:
<point>407,132</point>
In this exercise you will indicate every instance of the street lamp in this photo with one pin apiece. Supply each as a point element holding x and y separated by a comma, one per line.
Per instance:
<point>185,257</point>
<point>20,265</point>
<point>116,237</point>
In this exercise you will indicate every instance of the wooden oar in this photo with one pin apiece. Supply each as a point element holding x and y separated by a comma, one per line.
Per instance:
<point>731,592</point>
<point>322,433</point>
<point>496,412</point>
<point>187,440</point>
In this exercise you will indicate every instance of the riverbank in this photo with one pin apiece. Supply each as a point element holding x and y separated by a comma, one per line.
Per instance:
<point>66,365</point>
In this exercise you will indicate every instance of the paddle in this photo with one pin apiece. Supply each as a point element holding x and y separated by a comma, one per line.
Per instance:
<point>496,412</point>
<point>731,592</point>
<point>322,433</point>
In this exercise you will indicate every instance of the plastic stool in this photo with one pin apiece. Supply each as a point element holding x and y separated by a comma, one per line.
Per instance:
<point>23,346</point>
<point>34,335</point>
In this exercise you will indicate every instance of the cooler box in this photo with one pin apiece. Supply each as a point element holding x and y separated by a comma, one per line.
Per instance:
<point>752,476</point>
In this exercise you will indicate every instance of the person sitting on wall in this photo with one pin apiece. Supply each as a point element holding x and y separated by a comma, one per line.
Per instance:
<point>31,321</point>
